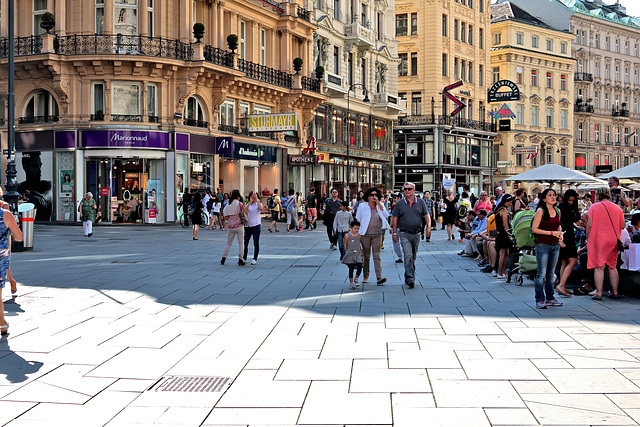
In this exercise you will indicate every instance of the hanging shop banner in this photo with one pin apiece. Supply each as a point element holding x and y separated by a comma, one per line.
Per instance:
<point>513,94</point>
<point>273,122</point>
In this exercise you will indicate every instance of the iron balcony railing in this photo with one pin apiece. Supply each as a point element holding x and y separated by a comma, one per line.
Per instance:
<point>619,112</point>
<point>196,123</point>
<point>447,121</point>
<point>583,108</point>
<point>311,84</point>
<point>31,45</point>
<point>583,77</point>
<point>96,117</point>
<point>303,13</point>
<point>38,119</point>
<point>126,118</point>
<point>265,74</point>
<point>218,56</point>
<point>154,119</point>
<point>122,45</point>
<point>292,138</point>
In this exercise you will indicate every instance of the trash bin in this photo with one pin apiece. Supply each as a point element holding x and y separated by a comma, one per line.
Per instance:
<point>27,213</point>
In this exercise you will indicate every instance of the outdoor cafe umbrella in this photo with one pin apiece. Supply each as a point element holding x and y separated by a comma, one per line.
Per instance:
<point>553,173</point>
<point>627,172</point>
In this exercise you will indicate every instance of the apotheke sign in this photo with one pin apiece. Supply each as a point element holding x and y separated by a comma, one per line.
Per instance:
<point>298,159</point>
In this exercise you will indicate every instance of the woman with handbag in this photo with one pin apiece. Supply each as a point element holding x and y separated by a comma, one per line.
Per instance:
<point>232,213</point>
<point>605,221</point>
<point>87,209</point>
<point>253,226</point>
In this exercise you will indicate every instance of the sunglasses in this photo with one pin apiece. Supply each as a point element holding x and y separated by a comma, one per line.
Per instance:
<point>407,189</point>
<point>374,194</point>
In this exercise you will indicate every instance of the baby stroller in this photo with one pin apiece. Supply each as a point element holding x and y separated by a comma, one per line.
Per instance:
<point>527,264</point>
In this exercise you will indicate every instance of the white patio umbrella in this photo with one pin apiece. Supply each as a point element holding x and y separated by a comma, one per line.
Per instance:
<point>553,173</point>
<point>627,172</point>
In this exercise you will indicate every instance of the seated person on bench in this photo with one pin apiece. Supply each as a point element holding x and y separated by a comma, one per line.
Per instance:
<point>129,208</point>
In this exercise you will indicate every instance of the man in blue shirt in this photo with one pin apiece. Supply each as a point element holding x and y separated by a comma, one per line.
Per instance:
<point>478,226</point>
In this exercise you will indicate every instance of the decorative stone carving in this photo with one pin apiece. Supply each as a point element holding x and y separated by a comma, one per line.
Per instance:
<point>520,137</point>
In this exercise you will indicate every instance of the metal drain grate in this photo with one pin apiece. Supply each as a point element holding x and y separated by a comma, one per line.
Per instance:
<point>305,266</point>
<point>193,384</point>
<point>124,262</point>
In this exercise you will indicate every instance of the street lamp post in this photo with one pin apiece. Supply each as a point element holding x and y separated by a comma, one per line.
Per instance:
<point>11,196</point>
<point>366,99</point>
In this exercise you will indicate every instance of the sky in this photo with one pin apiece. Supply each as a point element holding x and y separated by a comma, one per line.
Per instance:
<point>633,7</point>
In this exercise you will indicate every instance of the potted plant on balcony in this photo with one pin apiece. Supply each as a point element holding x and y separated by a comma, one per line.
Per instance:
<point>297,65</point>
<point>99,115</point>
<point>198,31</point>
<point>319,72</point>
<point>232,41</point>
<point>48,22</point>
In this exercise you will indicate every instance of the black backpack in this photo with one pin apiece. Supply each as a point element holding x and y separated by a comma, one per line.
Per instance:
<point>209,204</point>
<point>271,202</point>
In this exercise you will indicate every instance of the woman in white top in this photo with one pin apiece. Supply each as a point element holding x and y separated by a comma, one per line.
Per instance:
<point>373,219</point>
<point>215,214</point>
<point>253,226</point>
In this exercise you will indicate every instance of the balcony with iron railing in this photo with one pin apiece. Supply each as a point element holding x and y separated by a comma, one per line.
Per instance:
<point>196,123</point>
<point>583,77</point>
<point>458,122</point>
<point>38,119</point>
<point>583,108</point>
<point>303,13</point>
<point>619,112</point>
<point>126,118</point>
<point>158,47</point>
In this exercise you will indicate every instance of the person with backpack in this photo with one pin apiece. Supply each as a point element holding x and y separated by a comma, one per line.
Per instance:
<point>275,207</point>
<point>464,206</point>
<point>547,229</point>
<point>292,211</point>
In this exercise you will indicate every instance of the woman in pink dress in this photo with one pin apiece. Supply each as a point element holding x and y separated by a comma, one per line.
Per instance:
<point>606,220</point>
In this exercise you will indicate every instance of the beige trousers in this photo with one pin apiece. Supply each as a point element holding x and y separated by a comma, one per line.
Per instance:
<point>233,233</point>
<point>371,244</point>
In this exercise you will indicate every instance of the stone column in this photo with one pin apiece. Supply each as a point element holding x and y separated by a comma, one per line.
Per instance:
<point>108,17</point>
<point>143,26</point>
<point>61,22</point>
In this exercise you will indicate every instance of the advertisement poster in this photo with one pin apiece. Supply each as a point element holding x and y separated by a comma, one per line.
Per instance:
<point>66,183</point>
<point>35,177</point>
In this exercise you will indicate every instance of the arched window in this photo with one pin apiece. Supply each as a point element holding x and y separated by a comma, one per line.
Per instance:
<point>194,113</point>
<point>40,108</point>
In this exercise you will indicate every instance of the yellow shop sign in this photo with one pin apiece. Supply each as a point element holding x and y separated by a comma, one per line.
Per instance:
<point>273,122</point>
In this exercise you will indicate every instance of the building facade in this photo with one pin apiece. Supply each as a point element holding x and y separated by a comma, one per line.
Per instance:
<point>537,58</point>
<point>355,44</point>
<point>122,101</point>
<point>607,83</point>
<point>440,43</point>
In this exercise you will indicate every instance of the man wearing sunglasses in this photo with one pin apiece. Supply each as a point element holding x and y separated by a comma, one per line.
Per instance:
<point>406,224</point>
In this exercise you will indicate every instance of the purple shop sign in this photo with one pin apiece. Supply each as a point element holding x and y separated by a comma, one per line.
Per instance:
<point>125,138</point>
<point>224,145</point>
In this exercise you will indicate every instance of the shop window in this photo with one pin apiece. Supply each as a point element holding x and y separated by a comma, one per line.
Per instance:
<point>125,102</point>
<point>194,113</point>
<point>364,133</point>
<point>39,8</point>
<point>380,135</point>
<point>40,108</point>
<point>99,18</point>
<point>152,102</point>
<point>97,104</point>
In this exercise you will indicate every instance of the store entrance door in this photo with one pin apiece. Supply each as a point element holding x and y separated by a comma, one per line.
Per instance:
<point>135,189</point>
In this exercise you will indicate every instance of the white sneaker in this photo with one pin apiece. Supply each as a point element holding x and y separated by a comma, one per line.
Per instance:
<point>352,286</point>
<point>494,273</point>
<point>499,277</point>
<point>355,282</point>
<point>254,262</point>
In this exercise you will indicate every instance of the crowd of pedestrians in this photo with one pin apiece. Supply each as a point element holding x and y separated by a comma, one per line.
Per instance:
<point>560,228</point>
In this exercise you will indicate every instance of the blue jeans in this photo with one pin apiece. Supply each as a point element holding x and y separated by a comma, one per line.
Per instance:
<point>340,236</point>
<point>255,232</point>
<point>546,257</point>
<point>410,243</point>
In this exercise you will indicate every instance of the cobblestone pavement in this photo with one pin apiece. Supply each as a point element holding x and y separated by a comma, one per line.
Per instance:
<point>103,327</point>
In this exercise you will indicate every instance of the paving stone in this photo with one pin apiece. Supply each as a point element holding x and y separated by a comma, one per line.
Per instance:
<point>576,409</point>
<point>589,381</point>
<point>440,417</point>
<point>500,369</point>
<point>475,394</point>
<point>319,369</point>
<point>258,389</point>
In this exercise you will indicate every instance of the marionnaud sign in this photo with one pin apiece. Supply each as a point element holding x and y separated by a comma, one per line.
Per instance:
<point>124,138</point>
<point>273,122</point>
<point>512,95</point>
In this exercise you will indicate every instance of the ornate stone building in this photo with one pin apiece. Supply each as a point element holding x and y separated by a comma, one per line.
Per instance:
<point>355,44</point>
<point>537,58</point>
<point>607,83</point>
<point>121,99</point>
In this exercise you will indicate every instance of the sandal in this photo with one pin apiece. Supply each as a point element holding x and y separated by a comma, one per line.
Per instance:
<point>563,292</point>
<point>14,287</point>
<point>581,291</point>
<point>4,329</point>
